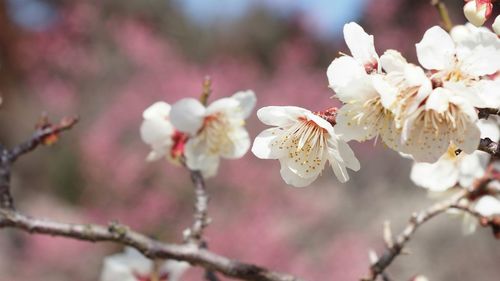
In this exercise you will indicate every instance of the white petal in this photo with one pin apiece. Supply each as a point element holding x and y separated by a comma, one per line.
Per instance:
<point>392,60</point>
<point>320,122</point>
<point>496,25</point>
<point>240,143</point>
<point>437,177</point>
<point>175,269</point>
<point>472,166</point>
<point>438,100</point>
<point>348,126</point>
<point>488,206</point>
<point>281,116</point>
<point>339,170</point>
<point>247,101</point>
<point>262,147</point>
<point>489,128</point>
<point>157,110</point>
<point>360,43</point>
<point>230,107</point>
<point>349,80</point>
<point>347,156</point>
<point>122,266</point>
<point>197,158</point>
<point>187,115</point>
<point>388,93</point>
<point>436,50</point>
<point>292,178</point>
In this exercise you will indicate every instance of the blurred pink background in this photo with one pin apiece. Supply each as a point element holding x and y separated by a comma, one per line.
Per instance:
<point>108,60</point>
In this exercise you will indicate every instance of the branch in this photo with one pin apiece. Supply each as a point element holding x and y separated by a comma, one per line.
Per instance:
<point>149,247</point>
<point>489,146</point>
<point>46,133</point>
<point>194,234</point>
<point>484,113</point>
<point>443,13</point>
<point>417,219</point>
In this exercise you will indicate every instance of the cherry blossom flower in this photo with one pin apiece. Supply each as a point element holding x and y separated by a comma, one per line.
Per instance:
<point>478,11</point>
<point>357,83</point>
<point>452,168</point>
<point>460,62</point>
<point>131,265</point>
<point>214,131</point>
<point>158,132</point>
<point>302,142</point>
<point>447,115</point>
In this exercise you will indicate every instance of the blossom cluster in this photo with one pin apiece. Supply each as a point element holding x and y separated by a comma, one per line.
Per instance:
<point>427,112</point>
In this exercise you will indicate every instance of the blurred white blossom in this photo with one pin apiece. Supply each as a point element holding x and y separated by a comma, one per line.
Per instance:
<point>158,132</point>
<point>131,265</point>
<point>302,142</point>
<point>214,131</point>
<point>478,11</point>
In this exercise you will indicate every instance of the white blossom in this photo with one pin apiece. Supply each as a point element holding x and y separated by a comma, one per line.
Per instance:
<point>302,142</point>
<point>447,115</point>
<point>214,131</point>
<point>131,265</point>
<point>477,11</point>
<point>451,168</point>
<point>357,82</point>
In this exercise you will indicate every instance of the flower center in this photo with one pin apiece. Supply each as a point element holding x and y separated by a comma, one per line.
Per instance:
<point>215,132</point>
<point>450,120</point>
<point>305,143</point>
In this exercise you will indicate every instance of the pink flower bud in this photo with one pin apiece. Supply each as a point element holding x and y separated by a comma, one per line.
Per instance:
<point>478,11</point>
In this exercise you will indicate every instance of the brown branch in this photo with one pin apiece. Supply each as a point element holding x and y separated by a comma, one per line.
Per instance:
<point>417,219</point>
<point>149,247</point>
<point>45,133</point>
<point>443,13</point>
<point>484,113</point>
<point>489,146</point>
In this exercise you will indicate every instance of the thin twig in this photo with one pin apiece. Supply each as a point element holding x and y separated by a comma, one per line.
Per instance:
<point>44,133</point>
<point>443,13</point>
<point>416,220</point>
<point>149,247</point>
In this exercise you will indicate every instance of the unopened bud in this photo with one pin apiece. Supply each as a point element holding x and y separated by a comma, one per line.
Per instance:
<point>478,11</point>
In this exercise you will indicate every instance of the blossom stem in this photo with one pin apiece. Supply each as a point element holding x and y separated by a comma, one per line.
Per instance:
<point>443,13</point>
